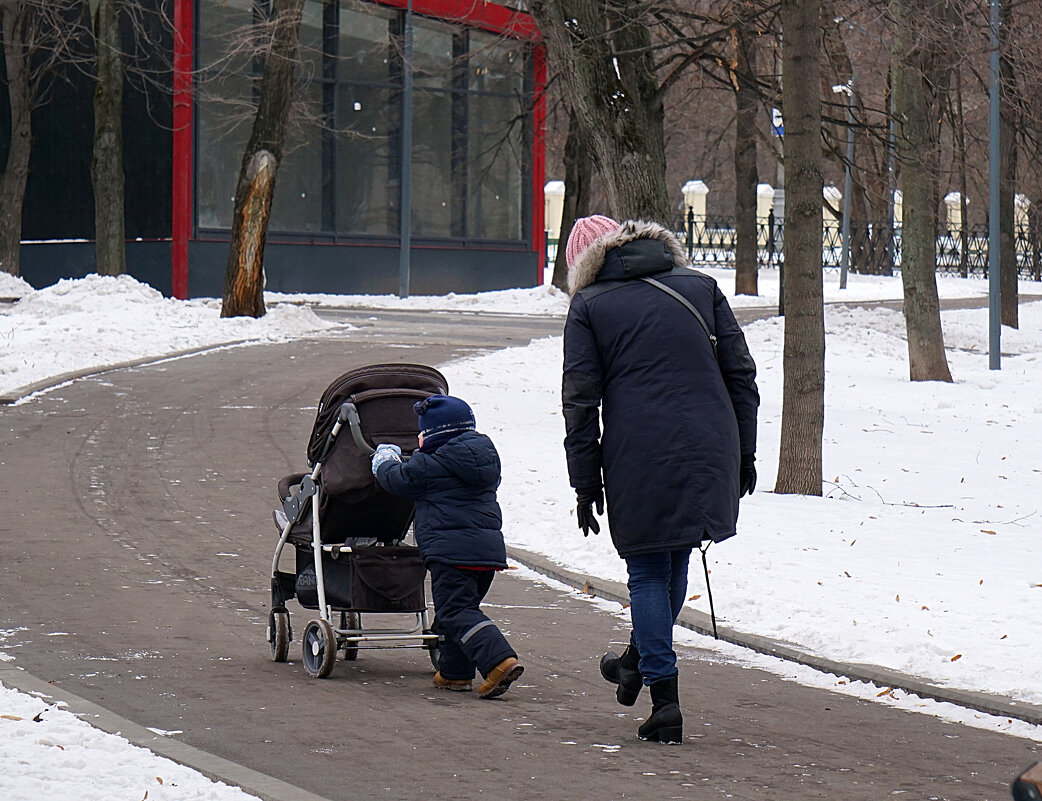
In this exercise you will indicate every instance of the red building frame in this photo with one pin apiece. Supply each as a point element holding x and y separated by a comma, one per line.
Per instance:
<point>474,13</point>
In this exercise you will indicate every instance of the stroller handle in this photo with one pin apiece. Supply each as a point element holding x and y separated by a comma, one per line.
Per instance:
<point>349,414</point>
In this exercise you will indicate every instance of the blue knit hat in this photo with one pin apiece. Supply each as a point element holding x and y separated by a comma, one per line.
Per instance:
<point>442,417</point>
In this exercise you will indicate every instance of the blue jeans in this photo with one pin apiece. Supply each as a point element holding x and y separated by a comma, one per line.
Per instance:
<point>658,586</point>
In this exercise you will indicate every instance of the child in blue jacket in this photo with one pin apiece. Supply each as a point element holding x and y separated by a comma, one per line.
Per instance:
<point>453,479</point>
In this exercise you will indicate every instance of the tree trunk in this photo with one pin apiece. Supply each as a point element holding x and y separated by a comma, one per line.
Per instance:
<point>1008,126</point>
<point>16,171</point>
<point>746,272</point>
<point>917,150</point>
<point>244,275</point>
<point>803,394</point>
<point>578,169</point>
<point>611,89</point>
<point>959,127</point>
<point>106,166</point>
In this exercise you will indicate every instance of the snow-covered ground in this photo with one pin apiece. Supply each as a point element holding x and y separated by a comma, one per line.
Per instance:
<point>924,554</point>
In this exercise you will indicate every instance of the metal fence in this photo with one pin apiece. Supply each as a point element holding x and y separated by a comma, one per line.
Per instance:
<point>875,248</point>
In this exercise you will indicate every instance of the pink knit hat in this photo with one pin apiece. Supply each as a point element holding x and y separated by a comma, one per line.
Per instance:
<point>584,232</point>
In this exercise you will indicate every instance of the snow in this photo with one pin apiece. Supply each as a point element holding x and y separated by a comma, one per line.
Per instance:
<point>105,320</point>
<point>924,554</point>
<point>50,753</point>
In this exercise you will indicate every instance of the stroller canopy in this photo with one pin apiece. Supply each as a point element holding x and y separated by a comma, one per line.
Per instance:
<point>384,395</point>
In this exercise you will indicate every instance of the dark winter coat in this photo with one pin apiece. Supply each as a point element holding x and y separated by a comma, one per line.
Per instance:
<point>458,520</point>
<point>676,419</point>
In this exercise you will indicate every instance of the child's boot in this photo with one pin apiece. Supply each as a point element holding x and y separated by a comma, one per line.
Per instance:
<point>665,724</point>
<point>500,678</point>
<point>623,671</point>
<point>456,685</point>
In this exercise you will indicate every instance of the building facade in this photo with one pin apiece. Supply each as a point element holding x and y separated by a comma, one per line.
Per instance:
<point>475,165</point>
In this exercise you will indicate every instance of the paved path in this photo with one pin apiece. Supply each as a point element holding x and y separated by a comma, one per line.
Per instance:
<point>134,554</point>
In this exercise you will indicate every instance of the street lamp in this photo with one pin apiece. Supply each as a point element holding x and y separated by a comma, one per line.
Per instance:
<point>994,233</point>
<point>405,185</point>
<point>848,181</point>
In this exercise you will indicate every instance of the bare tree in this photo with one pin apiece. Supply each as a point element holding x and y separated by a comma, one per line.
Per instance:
<point>803,394</point>
<point>920,76</point>
<point>244,275</point>
<point>106,166</point>
<point>746,93</point>
<point>578,168</point>
<point>1009,125</point>
<point>36,37</point>
<point>604,54</point>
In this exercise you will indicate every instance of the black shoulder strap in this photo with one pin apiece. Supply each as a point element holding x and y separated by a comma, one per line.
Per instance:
<point>687,304</point>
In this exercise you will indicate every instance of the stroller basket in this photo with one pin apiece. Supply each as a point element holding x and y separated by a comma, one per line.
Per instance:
<point>347,532</point>
<point>365,579</point>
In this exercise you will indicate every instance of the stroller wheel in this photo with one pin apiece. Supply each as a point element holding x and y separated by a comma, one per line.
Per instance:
<point>278,634</point>
<point>319,649</point>
<point>350,620</point>
<point>433,649</point>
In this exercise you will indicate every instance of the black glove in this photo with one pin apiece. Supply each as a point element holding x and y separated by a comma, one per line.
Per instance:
<point>747,475</point>
<point>585,500</point>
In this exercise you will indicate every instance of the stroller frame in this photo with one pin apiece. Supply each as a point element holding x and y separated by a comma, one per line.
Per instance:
<point>322,640</point>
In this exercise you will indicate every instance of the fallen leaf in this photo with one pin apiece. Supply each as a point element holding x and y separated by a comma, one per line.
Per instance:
<point>586,588</point>
<point>10,717</point>
<point>986,531</point>
<point>897,598</point>
<point>885,692</point>
<point>159,779</point>
<point>981,582</point>
<point>926,608</point>
<point>1004,636</point>
<point>852,543</point>
<point>956,658</point>
<point>695,597</point>
<point>845,573</point>
<point>38,717</point>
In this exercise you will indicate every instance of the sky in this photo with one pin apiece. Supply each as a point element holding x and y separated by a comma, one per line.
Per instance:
<point>924,553</point>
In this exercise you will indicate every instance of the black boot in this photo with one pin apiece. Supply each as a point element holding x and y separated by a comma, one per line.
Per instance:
<point>666,724</point>
<point>622,670</point>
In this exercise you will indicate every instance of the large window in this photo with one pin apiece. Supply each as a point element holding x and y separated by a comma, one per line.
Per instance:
<point>341,172</point>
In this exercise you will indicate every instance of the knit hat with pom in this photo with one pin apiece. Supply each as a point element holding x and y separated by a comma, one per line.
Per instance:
<point>584,232</point>
<point>442,417</point>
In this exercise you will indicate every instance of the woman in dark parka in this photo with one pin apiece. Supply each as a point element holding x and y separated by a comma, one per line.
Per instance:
<point>679,430</point>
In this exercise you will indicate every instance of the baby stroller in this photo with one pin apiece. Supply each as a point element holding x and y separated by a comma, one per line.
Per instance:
<point>347,533</point>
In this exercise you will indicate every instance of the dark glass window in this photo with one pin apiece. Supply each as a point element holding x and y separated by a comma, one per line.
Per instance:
<point>342,166</point>
<point>221,134</point>
<point>367,160</point>
<point>297,205</point>
<point>495,194</point>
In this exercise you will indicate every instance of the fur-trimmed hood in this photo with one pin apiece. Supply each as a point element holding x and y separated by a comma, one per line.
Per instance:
<point>586,268</point>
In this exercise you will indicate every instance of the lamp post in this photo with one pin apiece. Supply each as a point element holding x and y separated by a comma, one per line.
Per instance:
<point>405,200</point>
<point>994,263</point>
<point>848,180</point>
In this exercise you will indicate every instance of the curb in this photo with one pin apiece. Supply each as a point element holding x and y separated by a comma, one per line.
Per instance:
<point>701,623</point>
<point>265,787</point>
<point>16,394</point>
